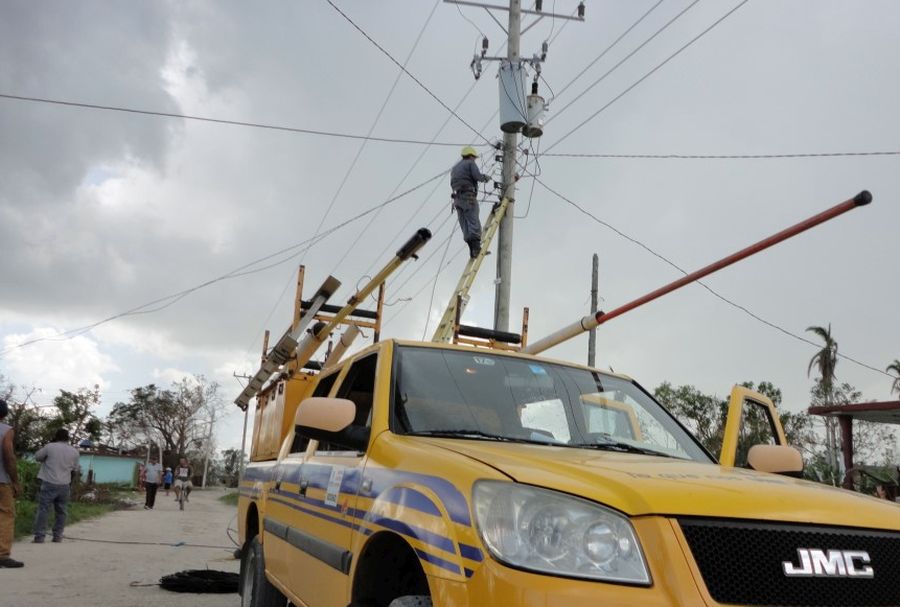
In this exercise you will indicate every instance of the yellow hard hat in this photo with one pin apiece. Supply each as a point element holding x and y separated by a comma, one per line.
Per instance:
<point>469,151</point>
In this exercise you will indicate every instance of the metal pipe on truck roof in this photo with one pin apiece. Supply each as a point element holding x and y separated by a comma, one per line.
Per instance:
<point>590,322</point>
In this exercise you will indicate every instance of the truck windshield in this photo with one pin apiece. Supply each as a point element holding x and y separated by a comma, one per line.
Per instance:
<point>486,396</point>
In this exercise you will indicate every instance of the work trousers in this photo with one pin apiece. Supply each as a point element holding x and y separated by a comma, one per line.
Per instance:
<point>466,205</point>
<point>151,494</point>
<point>58,496</point>
<point>7,519</point>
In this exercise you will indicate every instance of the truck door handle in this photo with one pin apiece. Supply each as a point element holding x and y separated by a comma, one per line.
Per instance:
<point>304,485</point>
<point>277,485</point>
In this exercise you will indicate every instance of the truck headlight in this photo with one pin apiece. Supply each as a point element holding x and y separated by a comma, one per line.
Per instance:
<point>551,532</point>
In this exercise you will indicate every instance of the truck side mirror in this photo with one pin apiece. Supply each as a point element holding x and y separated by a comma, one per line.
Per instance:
<point>778,459</point>
<point>330,420</point>
<point>324,414</point>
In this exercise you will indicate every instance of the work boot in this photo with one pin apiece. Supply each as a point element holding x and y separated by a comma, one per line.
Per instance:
<point>474,248</point>
<point>38,539</point>
<point>9,563</point>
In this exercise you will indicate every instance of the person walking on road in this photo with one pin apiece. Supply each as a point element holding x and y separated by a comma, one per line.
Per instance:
<point>183,475</point>
<point>167,480</point>
<point>9,490</point>
<point>464,179</point>
<point>154,476</point>
<point>59,464</point>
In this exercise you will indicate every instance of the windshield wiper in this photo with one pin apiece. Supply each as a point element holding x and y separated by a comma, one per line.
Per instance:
<point>614,445</point>
<point>476,434</point>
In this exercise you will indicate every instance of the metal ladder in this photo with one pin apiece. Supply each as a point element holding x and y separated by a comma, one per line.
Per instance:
<point>444,331</point>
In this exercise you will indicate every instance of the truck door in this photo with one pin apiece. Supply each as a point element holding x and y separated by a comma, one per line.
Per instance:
<point>752,420</point>
<point>329,483</point>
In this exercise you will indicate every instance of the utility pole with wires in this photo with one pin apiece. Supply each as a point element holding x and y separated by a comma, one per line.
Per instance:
<point>519,113</point>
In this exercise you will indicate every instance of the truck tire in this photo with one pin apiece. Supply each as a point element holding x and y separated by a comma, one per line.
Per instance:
<point>256,589</point>
<point>411,601</point>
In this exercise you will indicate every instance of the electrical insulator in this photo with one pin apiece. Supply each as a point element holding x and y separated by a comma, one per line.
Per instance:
<point>539,5</point>
<point>484,46</point>
<point>544,48</point>
<point>534,88</point>
<point>581,10</point>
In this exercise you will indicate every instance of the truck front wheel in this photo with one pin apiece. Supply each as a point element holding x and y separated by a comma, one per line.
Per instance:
<point>256,589</point>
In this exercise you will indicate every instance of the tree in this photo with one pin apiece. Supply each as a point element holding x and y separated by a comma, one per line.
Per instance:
<point>231,467</point>
<point>74,412</point>
<point>180,419</point>
<point>825,360</point>
<point>894,367</point>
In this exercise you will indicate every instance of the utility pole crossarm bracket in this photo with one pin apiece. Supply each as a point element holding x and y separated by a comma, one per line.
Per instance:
<point>444,331</point>
<point>495,7</point>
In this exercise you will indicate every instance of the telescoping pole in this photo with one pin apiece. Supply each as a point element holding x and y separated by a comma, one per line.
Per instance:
<point>592,321</point>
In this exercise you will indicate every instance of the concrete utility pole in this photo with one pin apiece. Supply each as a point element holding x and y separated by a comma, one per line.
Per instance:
<point>510,144</point>
<point>592,336</point>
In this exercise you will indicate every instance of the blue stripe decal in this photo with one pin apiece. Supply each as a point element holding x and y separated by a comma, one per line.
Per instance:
<point>418,533</point>
<point>423,535</point>
<point>454,501</point>
<point>311,512</point>
<point>470,552</point>
<point>430,558</point>
<point>411,499</point>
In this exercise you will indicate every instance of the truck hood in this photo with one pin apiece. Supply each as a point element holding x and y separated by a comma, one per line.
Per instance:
<point>642,485</point>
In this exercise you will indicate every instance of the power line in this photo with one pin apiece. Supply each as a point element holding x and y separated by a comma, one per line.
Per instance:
<point>648,74</point>
<point>256,125</point>
<point>407,72</point>
<point>625,58</point>
<point>606,50</point>
<point>349,172</point>
<point>162,303</point>
<point>726,156</point>
<point>701,283</point>
<point>434,285</point>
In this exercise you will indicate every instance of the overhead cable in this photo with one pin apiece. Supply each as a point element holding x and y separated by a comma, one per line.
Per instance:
<point>700,282</point>
<point>648,74</point>
<point>163,302</point>
<point>406,71</point>
<point>606,50</point>
<point>624,59</point>
<point>256,125</point>
<point>725,156</point>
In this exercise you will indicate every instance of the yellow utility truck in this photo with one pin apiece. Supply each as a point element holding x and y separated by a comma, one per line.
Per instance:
<point>458,475</point>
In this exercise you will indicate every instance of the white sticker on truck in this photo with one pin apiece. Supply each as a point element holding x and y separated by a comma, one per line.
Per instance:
<point>334,486</point>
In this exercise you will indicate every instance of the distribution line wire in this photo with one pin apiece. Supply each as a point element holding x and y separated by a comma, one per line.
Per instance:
<point>424,286</point>
<point>700,282</point>
<point>605,51</point>
<point>624,59</point>
<point>347,174</point>
<point>648,74</point>
<point>406,71</point>
<point>256,125</point>
<point>725,156</point>
<point>434,285</point>
<point>244,270</point>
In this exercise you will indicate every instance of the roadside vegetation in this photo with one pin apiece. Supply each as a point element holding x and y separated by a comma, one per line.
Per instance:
<point>230,498</point>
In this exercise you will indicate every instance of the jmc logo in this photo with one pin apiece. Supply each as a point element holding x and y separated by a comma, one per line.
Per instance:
<point>831,563</point>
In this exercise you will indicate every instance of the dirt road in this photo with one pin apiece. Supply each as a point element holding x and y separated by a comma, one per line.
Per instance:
<point>77,572</point>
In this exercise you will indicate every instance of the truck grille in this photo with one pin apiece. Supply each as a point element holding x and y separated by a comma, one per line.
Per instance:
<point>742,564</point>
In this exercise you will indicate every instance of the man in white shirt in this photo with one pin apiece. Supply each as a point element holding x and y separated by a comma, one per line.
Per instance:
<point>153,476</point>
<point>59,462</point>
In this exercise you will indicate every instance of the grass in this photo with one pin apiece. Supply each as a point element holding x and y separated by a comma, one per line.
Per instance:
<point>230,498</point>
<point>25,511</point>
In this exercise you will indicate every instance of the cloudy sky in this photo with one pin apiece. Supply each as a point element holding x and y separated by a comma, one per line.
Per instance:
<point>102,212</point>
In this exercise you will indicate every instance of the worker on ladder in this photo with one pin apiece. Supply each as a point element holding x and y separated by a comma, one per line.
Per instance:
<point>464,179</point>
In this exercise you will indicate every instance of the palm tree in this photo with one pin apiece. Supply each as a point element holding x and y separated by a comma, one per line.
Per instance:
<point>895,367</point>
<point>825,360</point>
